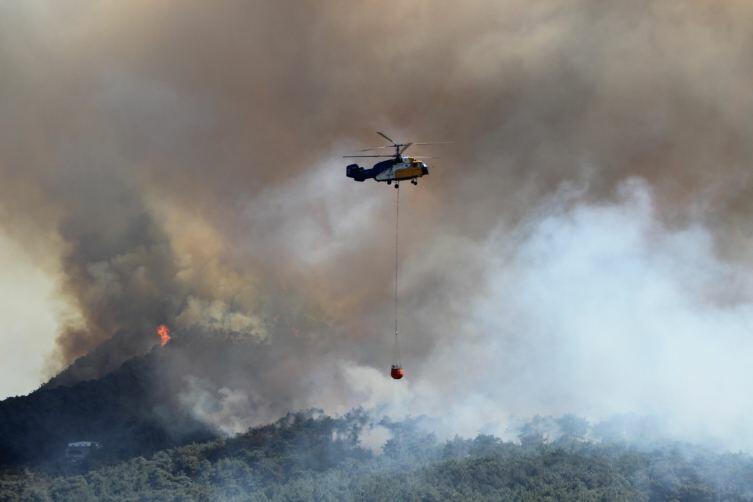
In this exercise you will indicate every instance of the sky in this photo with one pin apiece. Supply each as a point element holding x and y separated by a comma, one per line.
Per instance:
<point>28,306</point>
<point>582,246</point>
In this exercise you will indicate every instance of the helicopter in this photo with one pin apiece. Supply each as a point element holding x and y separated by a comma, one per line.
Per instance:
<point>397,168</point>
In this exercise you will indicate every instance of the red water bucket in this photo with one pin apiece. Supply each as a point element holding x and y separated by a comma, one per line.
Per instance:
<point>396,372</point>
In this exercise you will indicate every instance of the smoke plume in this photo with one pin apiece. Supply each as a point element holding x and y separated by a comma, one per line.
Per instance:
<point>583,245</point>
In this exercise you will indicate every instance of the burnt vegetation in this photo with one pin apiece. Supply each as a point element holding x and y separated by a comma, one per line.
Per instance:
<point>311,456</point>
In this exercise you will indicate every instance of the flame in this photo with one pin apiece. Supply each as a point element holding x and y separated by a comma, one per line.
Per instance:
<point>163,332</point>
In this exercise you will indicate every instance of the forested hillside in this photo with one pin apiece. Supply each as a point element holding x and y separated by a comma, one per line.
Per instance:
<point>309,456</point>
<point>131,410</point>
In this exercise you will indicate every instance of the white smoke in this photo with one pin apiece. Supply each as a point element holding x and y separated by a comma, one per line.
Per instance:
<point>225,410</point>
<point>600,311</point>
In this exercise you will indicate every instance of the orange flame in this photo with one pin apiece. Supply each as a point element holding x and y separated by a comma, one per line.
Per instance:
<point>163,332</point>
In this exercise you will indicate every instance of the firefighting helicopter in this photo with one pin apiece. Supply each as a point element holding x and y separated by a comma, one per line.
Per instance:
<point>397,168</point>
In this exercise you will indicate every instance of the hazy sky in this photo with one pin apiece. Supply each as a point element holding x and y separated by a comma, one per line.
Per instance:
<point>30,320</point>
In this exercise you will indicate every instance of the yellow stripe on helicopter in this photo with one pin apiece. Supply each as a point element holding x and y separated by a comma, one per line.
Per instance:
<point>408,173</point>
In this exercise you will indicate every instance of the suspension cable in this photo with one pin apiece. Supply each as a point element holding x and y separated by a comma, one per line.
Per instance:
<point>397,263</point>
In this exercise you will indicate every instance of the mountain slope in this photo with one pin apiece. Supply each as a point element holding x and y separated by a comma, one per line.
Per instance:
<point>132,410</point>
<point>152,401</point>
<point>106,357</point>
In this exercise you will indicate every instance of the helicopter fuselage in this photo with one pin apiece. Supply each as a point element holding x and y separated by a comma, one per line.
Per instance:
<point>397,169</point>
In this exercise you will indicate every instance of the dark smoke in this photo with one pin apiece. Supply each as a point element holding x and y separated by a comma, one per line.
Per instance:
<point>182,162</point>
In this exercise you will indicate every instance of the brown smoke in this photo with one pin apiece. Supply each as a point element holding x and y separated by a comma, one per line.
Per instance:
<point>175,156</point>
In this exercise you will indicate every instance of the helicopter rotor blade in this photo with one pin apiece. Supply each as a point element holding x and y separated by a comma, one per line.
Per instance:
<point>356,156</point>
<point>386,137</point>
<point>375,148</point>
